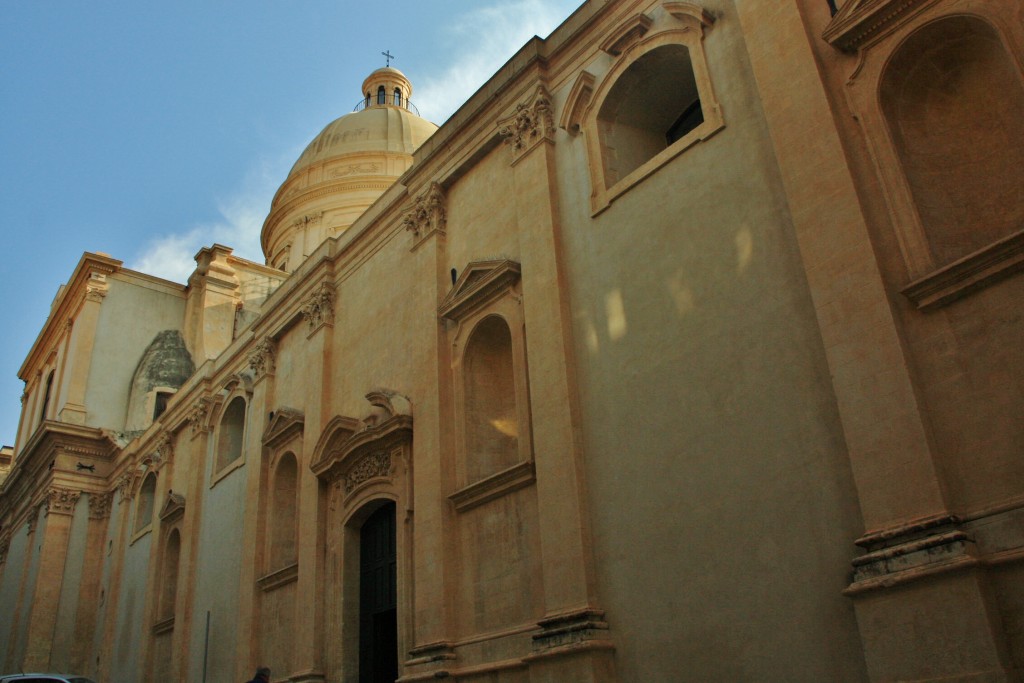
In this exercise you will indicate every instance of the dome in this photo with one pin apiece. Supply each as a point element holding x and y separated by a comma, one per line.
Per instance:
<point>373,129</point>
<point>345,168</point>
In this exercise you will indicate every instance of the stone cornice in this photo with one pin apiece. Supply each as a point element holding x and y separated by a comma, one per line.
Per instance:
<point>54,449</point>
<point>862,22</point>
<point>88,279</point>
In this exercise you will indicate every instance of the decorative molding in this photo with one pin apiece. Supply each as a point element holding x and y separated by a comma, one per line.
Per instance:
<point>428,215</point>
<point>532,123</point>
<point>911,552</point>
<point>319,307</point>
<point>355,169</point>
<point>99,505</point>
<point>96,288</point>
<point>261,359</point>
<point>198,416</point>
<point>308,220</point>
<point>630,31</point>
<point>480,283</point>
<point>126,485</point>
<point>859,23</point>
<point>576,103</point>
<point>173,509</point>
<point>428,653</point>
<point>968,274</point>
<point>687,11</point>
<point>570,631</point>
<point>284,424</point>
<point>374,465</point>
<point>356,451</point>
<point>61,501</point>
<point>278,577</point>
<point>163,451</point>
<point>495,486</point>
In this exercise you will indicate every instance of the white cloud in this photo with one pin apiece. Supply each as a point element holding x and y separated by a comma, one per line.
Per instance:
<point>485,38</point>
<point>241,219</point>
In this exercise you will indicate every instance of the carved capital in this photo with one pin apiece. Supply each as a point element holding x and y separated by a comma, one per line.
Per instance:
<point>261,359</point>
<point>99,505</point>
<point>532,122</point>
<point>163,451</point>
<point>319,307</point>
<point>126,486</point>
<point>197,415</point>
<point>61,501</point>
<point>428,214</point>
<point>97,287</point>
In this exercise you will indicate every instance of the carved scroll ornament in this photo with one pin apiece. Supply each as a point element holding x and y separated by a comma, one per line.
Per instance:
<point>319,307</point>
<point>261,360</point>
<point>61,501</point>
<point>428,213</point>
<point>531,123</point>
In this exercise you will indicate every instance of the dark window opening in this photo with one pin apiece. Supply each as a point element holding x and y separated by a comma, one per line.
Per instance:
<point>367,99</point>
<point>162,397</point>
<point>691,117</point>
<point>398,97</point>
<point>382,95</point>
<point>378,623</point>
<point>46,397</point>
<point>652,105</point>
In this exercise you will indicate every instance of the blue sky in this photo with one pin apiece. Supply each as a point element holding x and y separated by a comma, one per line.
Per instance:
<point>147,130</point>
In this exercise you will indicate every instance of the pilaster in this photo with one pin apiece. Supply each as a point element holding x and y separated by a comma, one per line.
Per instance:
<point>92,569</point>
<point>60,508</point>
<point>573,624</point>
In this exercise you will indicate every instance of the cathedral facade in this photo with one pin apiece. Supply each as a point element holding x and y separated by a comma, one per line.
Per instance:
<point>688,349</point>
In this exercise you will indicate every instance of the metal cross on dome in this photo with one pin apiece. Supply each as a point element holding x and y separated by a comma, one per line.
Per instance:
<point>389,56</point>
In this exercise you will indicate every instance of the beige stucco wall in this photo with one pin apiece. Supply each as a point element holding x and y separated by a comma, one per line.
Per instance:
<point>719,486</point>
<point>152,307</point>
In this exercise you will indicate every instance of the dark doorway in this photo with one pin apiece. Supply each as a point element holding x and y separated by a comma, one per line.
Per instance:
<point>378,623</point>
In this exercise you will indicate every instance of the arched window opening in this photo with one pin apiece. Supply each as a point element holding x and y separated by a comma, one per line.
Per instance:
<point>398,98</point>
<point>382,95</point>
<point>144,505</point>
<point>954,104</point>
<point>651,106</point>
<point>169,582</point>
<point>232,433</point>
<point>367,99</point>
<point>283,513</point>
<point>492,424</point>
<point>46,397</point>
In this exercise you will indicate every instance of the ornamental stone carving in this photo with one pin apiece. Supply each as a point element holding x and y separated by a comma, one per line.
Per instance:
<point>308,220</point>
<point>370,466</point>
<point>97,287</point>
<point>428,214</point>
<point>197,415</point>
<point>261,360</point>
<point>319,307</point>
<point>163,451</point>
<point>531,123</point>
<point>99,505</point>
<point>61,501</point>
<point>126,486</point>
